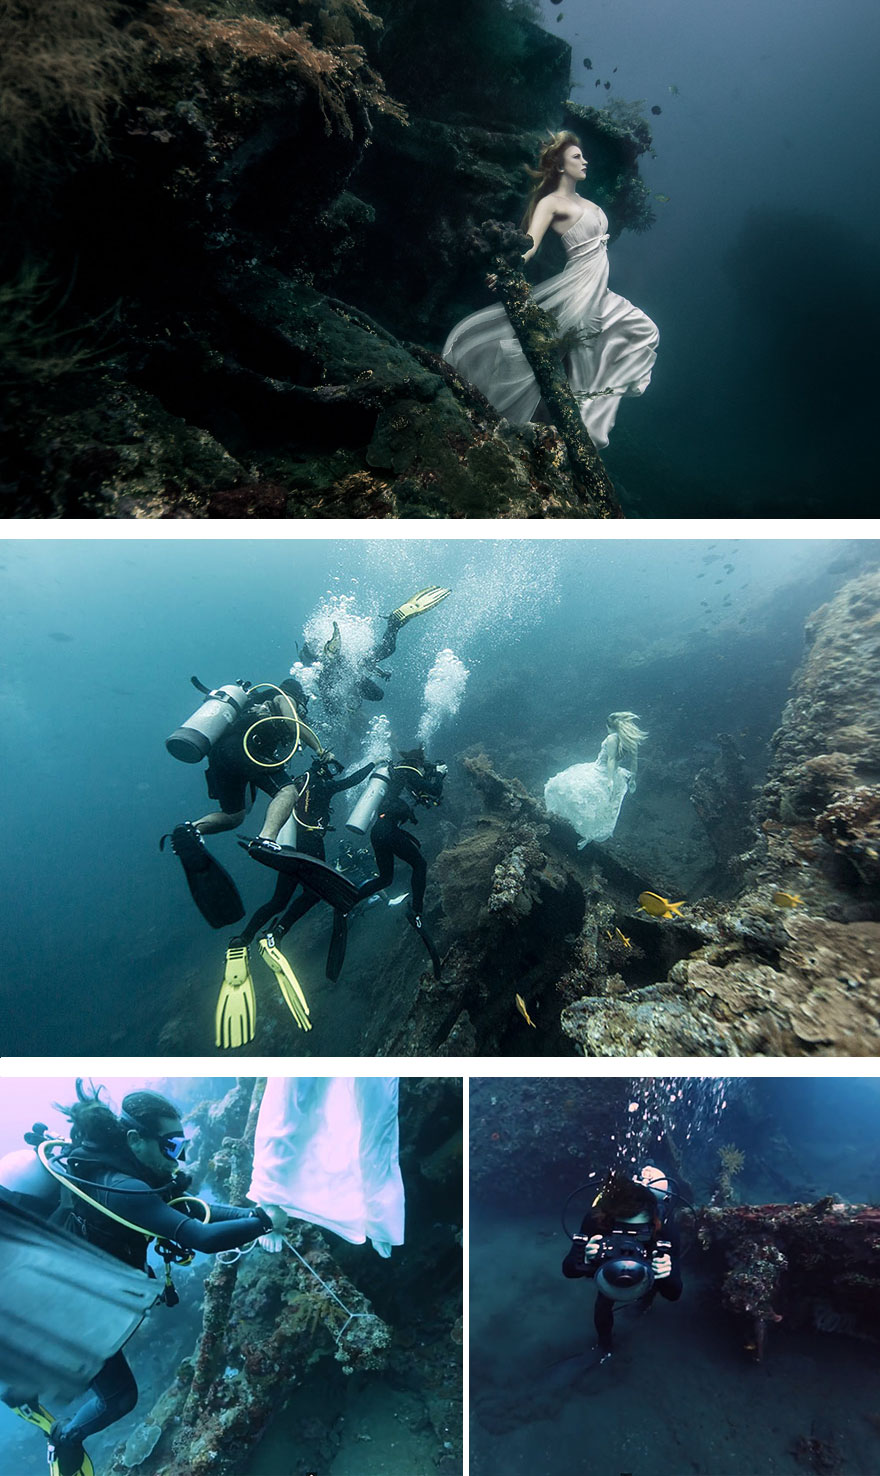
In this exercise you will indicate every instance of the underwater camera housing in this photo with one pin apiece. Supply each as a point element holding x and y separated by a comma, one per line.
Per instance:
<point>623,1265</point>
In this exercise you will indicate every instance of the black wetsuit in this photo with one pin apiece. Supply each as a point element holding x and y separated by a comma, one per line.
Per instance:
<point>389,840</point>
<point>311,811</point>
<point>230,771</point>
<point>669,1287</point>
<point>119,1189</point>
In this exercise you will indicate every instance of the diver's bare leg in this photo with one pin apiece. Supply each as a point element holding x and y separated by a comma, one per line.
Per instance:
<point>218,820</point>
<point>278,813</point>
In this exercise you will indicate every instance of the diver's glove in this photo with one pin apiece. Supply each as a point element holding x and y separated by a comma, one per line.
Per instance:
<point>661,1265</point>
<point>275,1219</point>
<point>585,1250</point>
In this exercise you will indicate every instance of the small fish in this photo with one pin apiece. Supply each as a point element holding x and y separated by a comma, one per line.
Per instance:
<point>657,906</point>
<point>787,899</point>
<point>625,941</point>
<point>674,90</point>
<point>607,86</point>
<point>598,82</point>
<point>613,70</point>
<point>664,200</point>
<point>521,1006</point>
<point>588,64</point>
<point>656,111</point>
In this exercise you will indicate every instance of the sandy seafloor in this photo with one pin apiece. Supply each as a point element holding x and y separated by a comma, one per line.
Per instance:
<point>679,1397</point>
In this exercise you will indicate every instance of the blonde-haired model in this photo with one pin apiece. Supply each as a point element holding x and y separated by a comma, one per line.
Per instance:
<point>590,795</point>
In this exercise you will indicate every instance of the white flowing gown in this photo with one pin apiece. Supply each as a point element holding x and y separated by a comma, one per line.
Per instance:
<point>326,1150</point>
<point>589,796</point>
<point>615,343</point>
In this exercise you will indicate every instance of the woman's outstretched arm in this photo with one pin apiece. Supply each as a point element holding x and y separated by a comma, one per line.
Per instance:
<point>538,224</point>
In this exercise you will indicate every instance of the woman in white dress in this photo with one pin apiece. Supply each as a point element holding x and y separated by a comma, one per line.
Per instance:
<point>612,345</point>
<point>589,796</point>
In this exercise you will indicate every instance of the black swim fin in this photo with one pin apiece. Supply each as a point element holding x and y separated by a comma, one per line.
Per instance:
<point>213,890</point>
<point>415,921</point>
<point>338,941</point>
<point>329,884</point>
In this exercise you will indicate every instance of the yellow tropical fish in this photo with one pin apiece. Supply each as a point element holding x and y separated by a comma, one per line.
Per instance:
<point>657,906</point>
<point>625,941</point>
<point>787,899</point>
<point>521,1006</point>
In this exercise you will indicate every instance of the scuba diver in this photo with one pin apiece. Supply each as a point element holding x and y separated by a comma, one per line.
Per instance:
<point>116,1184</point>
<point>338,687</point>
<point>243,735</point>
<point>383,810</point>
<point>629,1246</point>
<point>236,1007</point>
<point>247,742</point>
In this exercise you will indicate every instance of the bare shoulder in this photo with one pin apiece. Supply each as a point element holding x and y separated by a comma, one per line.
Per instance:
<point>545,208</point>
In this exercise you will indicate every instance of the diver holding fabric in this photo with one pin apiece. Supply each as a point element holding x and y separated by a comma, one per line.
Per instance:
<point>248,742</point>
<point>384,811</point>
<point>236,1007</point>
<point>117,1186</point>
<point>629,1245</point>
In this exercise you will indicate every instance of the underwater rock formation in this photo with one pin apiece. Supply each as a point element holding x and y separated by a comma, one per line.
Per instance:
<point>219,232</point>
<point>829,1253</point>
<point>792,965</point>
<point>722,797</point>
<point>789,965</point>
<point>514,903</point>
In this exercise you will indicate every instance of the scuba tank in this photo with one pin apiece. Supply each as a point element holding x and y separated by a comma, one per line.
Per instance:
<point>25,1182</point>
<point>364,813</point>
<point>194,740</point>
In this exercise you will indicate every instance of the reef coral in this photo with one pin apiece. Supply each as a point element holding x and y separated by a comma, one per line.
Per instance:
<point>782,1261</point>
<point>731,1160</point>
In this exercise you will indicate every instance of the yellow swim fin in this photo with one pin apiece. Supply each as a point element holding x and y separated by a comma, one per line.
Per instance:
<point>85,1467</point>
<point>37,1414</point>
<point>426,599</point>
<point>288,983</point>
<point>236,1015</point>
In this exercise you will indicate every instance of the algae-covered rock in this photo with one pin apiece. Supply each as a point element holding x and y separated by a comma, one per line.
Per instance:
<point>237,223</point>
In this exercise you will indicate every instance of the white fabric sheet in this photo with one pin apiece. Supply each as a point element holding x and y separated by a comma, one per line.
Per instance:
<point>614,352</point>
<point>326,1150</point>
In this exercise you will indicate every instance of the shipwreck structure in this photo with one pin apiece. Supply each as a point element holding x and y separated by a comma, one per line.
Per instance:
<point>787,964</point>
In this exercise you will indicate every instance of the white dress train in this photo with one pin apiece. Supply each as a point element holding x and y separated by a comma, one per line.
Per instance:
<point>615,344</point>
<point>589,796</point>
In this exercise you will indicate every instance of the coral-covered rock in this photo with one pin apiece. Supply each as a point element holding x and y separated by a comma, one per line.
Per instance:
<point>157,154</point>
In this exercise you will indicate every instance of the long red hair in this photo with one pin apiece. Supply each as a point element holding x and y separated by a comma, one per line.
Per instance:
<point>547,172</point>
